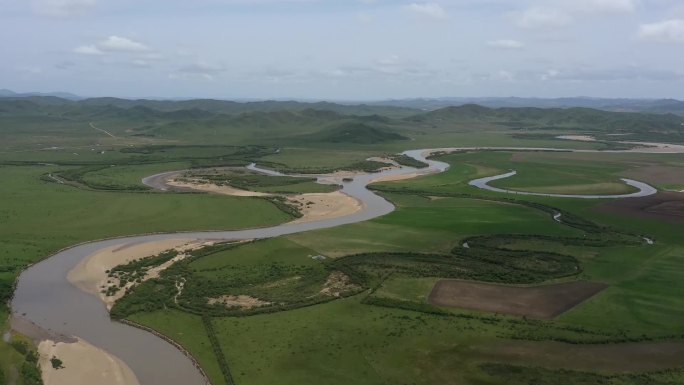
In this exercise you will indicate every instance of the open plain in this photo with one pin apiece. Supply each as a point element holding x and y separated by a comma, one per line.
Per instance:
<point>393,269</point>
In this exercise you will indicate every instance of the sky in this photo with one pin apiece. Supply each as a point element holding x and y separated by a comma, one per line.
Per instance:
<point>344,49</point>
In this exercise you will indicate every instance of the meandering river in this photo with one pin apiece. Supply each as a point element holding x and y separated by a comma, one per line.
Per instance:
<point>46,298</point>
<point>49,301</point>
<point>644,189</point>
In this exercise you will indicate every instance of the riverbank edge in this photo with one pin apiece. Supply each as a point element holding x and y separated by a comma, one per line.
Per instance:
<point>168,339</point>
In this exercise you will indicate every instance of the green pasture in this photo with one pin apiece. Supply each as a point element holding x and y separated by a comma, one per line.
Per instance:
<point>381,334</point>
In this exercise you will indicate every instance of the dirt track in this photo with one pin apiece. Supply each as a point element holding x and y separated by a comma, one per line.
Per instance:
<point>544,302</point>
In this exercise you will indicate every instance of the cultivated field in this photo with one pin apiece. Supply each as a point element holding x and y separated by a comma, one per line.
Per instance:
<point>544,302</point>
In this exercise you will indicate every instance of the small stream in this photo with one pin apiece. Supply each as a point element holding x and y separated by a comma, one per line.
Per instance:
<point>644,189</point>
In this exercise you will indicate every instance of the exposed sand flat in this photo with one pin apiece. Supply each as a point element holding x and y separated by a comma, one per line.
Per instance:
<point>241,301</point>
<point>313,206</point>
<point>83,364</point>
<point>28,328</point>
<point>640,147</point>
<point>390,178</point>
<point>318,206</point>
<point>383,159</point>
<point>212,188</point>
<point>337,284</point>
<point>659,148</point>
<point>91,273</point>
<point>581,138</point>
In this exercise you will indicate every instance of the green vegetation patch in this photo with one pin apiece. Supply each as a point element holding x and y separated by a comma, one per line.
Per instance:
<point>408,161</point>
<point>254,181</point>
<point>356,133</point>
<point>136,270</point>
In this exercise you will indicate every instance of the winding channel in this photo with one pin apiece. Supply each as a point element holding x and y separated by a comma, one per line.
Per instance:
<point>50,302</point>
<point>644,189</point>
<point>45,298</point>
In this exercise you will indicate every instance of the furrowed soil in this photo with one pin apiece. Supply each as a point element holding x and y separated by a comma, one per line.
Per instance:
<point>664,206</point>
<point>544,302</point>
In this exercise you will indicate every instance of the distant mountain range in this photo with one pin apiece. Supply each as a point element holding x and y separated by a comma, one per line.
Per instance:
<point>5,93</point>
<point>325,122</point>
<point>657,106</point>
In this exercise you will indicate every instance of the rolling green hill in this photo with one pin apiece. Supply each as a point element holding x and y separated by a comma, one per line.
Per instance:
<point>635,126</point>
<point>355,132</point>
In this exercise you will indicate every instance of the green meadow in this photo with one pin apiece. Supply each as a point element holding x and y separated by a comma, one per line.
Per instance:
<point>393,334</point>
<point>350,304</point>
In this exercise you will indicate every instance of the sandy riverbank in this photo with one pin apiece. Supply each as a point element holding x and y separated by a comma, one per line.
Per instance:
<point>83,364</point>
<point>90,275</point>
<point>319,206</point>
<point>216,189</point>
<point>657,148</point>
<point>390,178</point>
<point>313,206</point>
<point>581,138</point>
<point>639,147</point>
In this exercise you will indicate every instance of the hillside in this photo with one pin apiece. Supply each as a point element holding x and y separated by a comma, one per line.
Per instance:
<point>355,132</point>
<point>659,106</point>
<point>583,119</point>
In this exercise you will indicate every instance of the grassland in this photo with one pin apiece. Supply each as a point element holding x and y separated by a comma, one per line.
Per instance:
<point>380,329</point>
<point>394,335</point>
<point>38,218</point>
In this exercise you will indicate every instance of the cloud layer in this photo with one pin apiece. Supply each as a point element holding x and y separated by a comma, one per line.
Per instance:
<point>360,49</point>
<point>663,31</point>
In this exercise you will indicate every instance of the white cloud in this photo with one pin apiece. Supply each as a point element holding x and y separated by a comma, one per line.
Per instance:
<point>612,74</point>
<point>139,63</point>
<point>506,44</point>
<point>62,8</point>
<point>502,76</point>
<point>549,74</point>
<point>115,44</point>
<point>87,50</point>
<point>664,31</point>
<point>199,69</point>
<point>560,13</point>
<point>602,6</point>
<point>121,44</point>
<point>542,18</point>
<point>153,56</point>
<point>364,18</point>
<point>389,60</point>
<point>431,10</point>
<point>202,67</point>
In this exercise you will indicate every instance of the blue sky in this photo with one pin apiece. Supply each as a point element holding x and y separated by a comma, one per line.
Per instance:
<point>344,49</point>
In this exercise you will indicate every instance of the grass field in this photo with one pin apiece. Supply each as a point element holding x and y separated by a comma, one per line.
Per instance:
<point>381,329</point>
<point>38,218</point>
<point>66,212</point>
<point>394,335</point>
<point>127,177</point>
